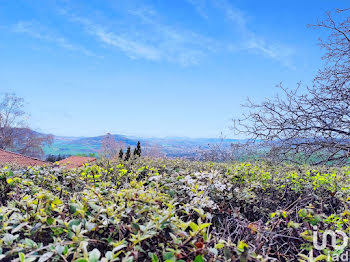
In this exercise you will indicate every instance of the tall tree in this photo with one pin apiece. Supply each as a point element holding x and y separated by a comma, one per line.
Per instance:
<point>14,133</point>
<point>138,149</point>
<point>127,154</point>
<point>313,126</point>
<point>121,153</point>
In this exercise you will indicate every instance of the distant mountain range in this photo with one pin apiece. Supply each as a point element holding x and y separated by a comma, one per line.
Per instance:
<point>170,146</point>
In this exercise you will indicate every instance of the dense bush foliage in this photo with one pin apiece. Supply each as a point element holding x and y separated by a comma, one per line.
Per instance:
<point>169,210</point>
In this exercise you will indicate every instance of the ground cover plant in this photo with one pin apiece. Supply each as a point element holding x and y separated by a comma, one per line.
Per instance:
<point>170,210</point>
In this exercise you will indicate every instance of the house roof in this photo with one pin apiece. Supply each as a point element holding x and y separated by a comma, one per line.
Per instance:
<point>76,161</point>
<point>7,157</point>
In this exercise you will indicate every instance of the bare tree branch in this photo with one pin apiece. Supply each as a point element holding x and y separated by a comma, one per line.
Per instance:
<point>314,126</point>
<point>14,134</point>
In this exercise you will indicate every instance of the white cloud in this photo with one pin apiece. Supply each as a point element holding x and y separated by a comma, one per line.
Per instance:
<point>249,40</point>
<point>252,41</point>
<point>200,7</point>
<point>150,39</point>
<point>276,51</point>
<point>143,33</point>
<point>36,30</point>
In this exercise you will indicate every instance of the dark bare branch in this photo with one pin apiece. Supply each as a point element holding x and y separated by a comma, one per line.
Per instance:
<point>14,134</point>
<point>314,126</point>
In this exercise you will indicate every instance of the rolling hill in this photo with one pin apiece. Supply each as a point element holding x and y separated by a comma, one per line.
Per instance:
<point>170,146</point>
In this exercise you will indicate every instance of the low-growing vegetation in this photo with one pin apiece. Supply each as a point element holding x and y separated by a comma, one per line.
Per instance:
<point>170,210</point>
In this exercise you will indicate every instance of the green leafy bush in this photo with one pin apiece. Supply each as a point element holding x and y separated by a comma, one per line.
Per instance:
<point>169,210</point>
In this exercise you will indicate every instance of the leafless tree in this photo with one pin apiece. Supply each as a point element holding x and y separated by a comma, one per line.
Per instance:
<point>224,151</point>
<point>30,143</point>
<point>220,151</point>
<point>14,134</point>
<point>336,73</point>
<point>313,126</point>
<point>110,147</point>
<point>152,150</point>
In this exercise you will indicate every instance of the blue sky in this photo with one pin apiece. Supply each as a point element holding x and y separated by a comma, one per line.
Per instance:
<point>153,67</point>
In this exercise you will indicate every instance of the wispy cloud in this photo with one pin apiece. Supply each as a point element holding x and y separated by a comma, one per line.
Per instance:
<point>276,51</point>
<point>200,6</point>
<point>152,40</point>
<point>249,40</point>
<point>37,31</point>
<point>143,33</point>
<point>255,42</point>
<point>123,42</point>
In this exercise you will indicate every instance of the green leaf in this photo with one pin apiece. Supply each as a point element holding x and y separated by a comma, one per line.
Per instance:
<point>153,257</point>
<point>35,228</point>
<point>60,249</point>
<point>302,213</point>
<point>31,259</point>
<point>94,206</point>
<point>204,225</point>
<point>74,222</point>
<point>198,258</point>
<point>168,255</point>
<point>315,220</point>
<point>135,226</point>
<point>94,255</point>
<point>57,201</point>
<point>50,220</point>
<point>73,208</point>
<point>45,257</point>
<point>242,246</point>
<point>8,238</point>
<point>219,245</point>
<point>194,226</point>
<point>30,243</point>
<point>320,258</point>
<point>22,257</point>
<point>292,224</point>
<point>119,247</point>
<point>81,260</point>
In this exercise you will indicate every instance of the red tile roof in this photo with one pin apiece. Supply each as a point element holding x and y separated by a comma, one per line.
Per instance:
<point>7,157</point>
<point>75,161</point>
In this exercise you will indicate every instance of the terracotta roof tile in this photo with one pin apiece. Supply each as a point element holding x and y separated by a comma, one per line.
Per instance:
<point>7,157</point>
<point>75,161</point>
